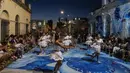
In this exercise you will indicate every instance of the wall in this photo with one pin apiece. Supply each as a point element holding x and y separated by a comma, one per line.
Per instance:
<point>13,9</point>
<point>117,19</point>
<point>120,20</point>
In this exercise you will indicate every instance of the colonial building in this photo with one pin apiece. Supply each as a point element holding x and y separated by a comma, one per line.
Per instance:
<point>15,17</point>
<point>112,18</point>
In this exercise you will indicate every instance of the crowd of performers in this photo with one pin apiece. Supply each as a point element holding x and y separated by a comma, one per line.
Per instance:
<point>20,44</point>
<point>64,42</point>
<point>112,45</point>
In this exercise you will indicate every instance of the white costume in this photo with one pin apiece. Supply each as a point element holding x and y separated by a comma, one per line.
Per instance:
<point>57,56</point>
<point>19,45</point>
<point>100,41</point>
<point>96,47</point>
<point>67,37</point>
<point>48,38</point>
<point>88,42</point>
<point>67,42</point>
<point>70,37</point>
<point>89,38</point>
<point>43,41</point>
<point>115,49</point>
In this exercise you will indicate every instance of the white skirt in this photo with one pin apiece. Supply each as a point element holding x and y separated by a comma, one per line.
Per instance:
<point>42,43</point>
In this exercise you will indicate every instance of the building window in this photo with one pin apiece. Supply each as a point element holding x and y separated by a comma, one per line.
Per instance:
<point>1,1</point>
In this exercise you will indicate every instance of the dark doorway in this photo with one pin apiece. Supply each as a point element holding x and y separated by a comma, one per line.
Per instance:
<point>26,28</point>
<point>17,26</point>
<point>4,29</point>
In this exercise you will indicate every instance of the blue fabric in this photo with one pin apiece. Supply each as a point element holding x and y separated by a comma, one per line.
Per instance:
<point>76,60</point>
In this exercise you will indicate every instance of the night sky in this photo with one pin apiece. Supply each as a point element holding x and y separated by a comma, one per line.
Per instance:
<point>50,9</point>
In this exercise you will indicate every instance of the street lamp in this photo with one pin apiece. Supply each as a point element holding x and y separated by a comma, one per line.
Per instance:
<point>62,12</point>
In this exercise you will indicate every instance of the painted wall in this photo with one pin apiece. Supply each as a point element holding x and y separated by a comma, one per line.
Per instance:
<point>120,17</point>
<point>114,21</point>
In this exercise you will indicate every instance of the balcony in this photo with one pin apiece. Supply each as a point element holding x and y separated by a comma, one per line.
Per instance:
<point>21,4</point>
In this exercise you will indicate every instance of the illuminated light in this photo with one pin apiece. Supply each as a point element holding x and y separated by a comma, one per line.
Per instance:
<point>39,23</point>
<point>79,18</point>
<point>70,21</point>
<point>75,18</point>
<point>44,23</point>
<point>62,12</point>
<point>64,25</point>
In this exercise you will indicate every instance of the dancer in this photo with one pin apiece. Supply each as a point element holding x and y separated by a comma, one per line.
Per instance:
<point>97,48</point>
<point>89,40</point>
<point>48,38</point>
<point>58,57</point>
<point>89,37</point>
<point>42,43</point>
<point>67,43</point>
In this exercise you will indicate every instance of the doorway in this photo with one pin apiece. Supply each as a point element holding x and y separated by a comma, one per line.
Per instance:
<point>17,25</point>
<point>4,29</point>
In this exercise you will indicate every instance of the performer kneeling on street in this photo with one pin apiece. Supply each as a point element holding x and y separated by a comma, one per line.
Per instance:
<point>97,48</point>
<point>58,57</point>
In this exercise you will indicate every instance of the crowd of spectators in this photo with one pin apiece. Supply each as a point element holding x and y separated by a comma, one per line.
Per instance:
<point>14,46</point>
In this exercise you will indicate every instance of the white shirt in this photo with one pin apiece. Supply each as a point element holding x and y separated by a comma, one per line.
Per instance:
<point>44,37</point>
<point>67,37</point>
<point>48,38</point>
<point>97,48</point>
<point>89,38</point>
<point>1,52</point>
<point>93,44</point>
<point>100,41</point>
<point>18,45</point>
<point>34,27</point>
<point>67,42</point>
<point>70,37</point>
<point>88,42</point>
<point>116,49</point>
<point>43,43</point>
<point>57,56</point>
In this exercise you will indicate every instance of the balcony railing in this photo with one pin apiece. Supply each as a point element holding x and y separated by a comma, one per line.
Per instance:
<point>21,4</point>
